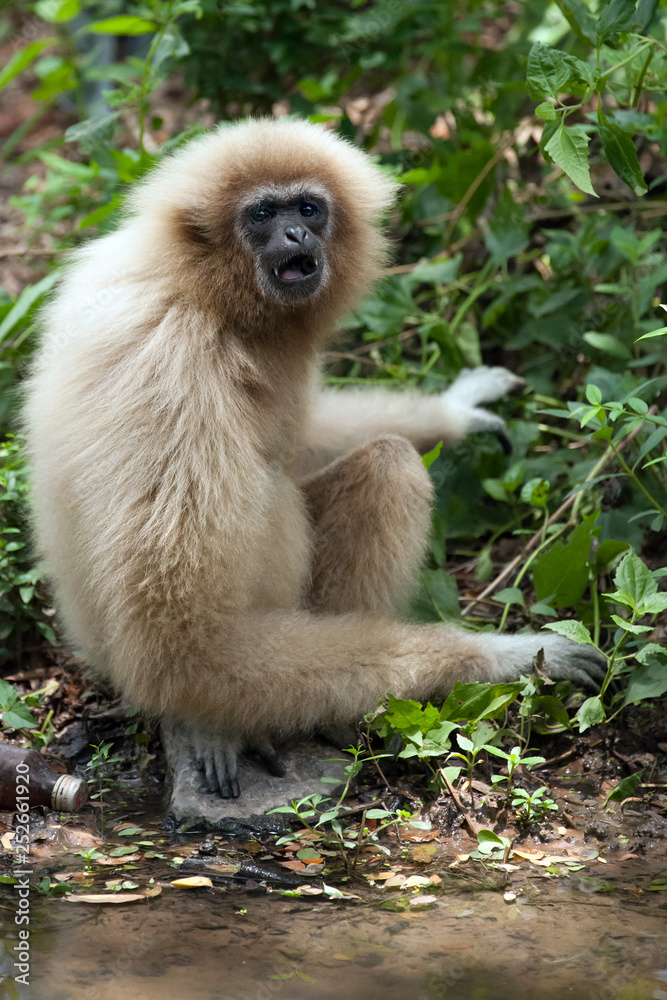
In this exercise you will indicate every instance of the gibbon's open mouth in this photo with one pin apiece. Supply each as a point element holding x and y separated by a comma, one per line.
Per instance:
<point>298,267</point>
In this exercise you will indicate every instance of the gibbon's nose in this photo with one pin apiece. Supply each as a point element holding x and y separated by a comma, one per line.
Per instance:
<point>296,234</point>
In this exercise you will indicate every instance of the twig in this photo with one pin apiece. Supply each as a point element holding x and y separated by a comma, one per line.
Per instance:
<point>470,823</point>
<point>606,458</point>
<point>481,176</point>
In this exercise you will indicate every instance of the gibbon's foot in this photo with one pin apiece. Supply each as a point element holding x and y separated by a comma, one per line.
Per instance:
<point>473,386</point>
<point>563,659</point>
<point>217,757</point>
<point>268,757</point>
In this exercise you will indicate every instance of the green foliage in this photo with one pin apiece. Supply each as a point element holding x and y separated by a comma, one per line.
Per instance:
<point>532,807</point>
<point>14,711</point>
<point>102,770</point>
<point>22,596</point>
<point>328,823</point>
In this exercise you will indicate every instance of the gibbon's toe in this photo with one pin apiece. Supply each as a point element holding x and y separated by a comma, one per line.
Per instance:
<point>269,758</point>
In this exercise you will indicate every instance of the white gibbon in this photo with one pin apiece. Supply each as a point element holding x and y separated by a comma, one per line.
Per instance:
<point>231,544</point>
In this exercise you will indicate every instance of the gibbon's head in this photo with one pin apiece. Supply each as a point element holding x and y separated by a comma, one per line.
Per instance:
<point>265,216</point>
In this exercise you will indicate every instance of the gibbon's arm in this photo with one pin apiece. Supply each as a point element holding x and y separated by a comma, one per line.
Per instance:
<point>340,420</point>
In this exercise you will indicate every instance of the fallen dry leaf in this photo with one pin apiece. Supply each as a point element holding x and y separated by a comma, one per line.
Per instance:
<point>192,882</point>
<point>395,881</point>
<point>415,880</point>
<point>100,898</point>
<point>522,852</point>
<point>106,860</point>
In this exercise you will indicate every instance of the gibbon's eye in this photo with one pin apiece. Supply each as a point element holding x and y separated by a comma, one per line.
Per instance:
<point>308,209</point>
<point>262,213</point>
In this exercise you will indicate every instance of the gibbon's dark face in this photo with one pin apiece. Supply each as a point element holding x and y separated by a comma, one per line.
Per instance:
<point>288,239</point>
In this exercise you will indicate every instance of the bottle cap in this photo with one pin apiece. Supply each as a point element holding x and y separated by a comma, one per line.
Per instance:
<point>69,793</point>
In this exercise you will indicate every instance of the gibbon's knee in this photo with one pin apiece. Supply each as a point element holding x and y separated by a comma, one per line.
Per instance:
<point>370,511</point>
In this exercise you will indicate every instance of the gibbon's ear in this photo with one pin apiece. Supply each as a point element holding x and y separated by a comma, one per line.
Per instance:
<point>195,229</point>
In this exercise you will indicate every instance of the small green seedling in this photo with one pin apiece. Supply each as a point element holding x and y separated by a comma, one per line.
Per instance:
<point>513,760</point>
<point>532,808</point>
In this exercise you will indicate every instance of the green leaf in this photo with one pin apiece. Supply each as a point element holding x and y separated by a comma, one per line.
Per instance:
<point>507,234</point>
<point>546,111</point>
<point>510,595</point>
<point>22,59</point>
<point>568,148</point>
<point>653,604</point>
<point>551,72</point>
<point>542,608</point>
<point>123,25</point>
<point>617,15</point>
<point>574,630</point>
<point>579,19</point>
<point>625,788</point>
<point>19,716</point>
<point>535,492</point>
<point>119,852</point>
<point>443,592</point>
<point>629,627</point>
<point>560,574</point>
<point>620,151</point>
<point>610,345</point>
<point>28,297</point>
<point>647,681</point>
<point>593,394</point>
<point>58,11</point>
<point>429,458</point>
<point>591,713</point>
<point>91,132</point>
<point>635,578</point>
<point>660,332</point>
<point>607,552</point>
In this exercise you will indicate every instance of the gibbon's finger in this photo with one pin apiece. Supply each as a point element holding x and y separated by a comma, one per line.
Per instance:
<point>591,662</point>
<point>505,442</point>
<point>483,385</point>
<point>220,772</point>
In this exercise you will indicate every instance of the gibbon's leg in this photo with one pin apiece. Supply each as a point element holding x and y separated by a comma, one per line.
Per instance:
<point>370,512</point>
<point>342,419</point>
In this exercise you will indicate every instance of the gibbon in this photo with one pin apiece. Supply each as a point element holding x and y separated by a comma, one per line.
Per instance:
<point>230,543</point>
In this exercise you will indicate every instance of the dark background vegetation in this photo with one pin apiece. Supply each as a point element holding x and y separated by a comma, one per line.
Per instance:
<point>529,138</point>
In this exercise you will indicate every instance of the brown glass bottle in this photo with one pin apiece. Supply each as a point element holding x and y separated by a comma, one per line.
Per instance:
<point>24,774</point>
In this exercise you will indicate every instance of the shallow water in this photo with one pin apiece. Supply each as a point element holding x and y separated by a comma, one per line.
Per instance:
<point>561,938</point>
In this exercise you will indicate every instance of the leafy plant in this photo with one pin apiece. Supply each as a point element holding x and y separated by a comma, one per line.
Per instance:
<point>101,770</point>
<point>513,759</point>
<point>329,826</point>
<point>14,710</point>
<point>532,807</point>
